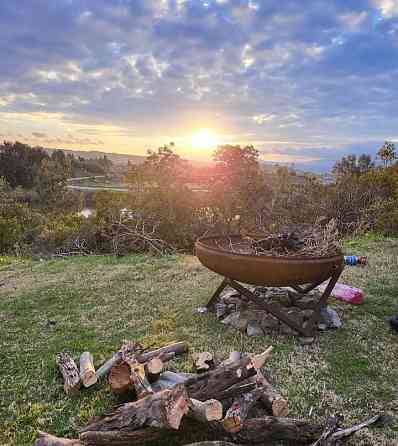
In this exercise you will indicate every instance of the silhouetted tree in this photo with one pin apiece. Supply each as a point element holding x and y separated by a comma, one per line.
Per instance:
<point>387,153</point>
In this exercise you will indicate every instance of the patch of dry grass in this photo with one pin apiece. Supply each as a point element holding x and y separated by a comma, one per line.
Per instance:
<point>94,303</point>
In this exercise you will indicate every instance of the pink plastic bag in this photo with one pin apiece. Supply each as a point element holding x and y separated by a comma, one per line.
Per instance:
<point>346,293</point>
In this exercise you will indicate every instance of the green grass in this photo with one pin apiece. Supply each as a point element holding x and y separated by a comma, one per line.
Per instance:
<point>93,303</point>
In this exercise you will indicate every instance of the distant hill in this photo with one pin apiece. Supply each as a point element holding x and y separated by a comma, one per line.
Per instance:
<point>116,158</point>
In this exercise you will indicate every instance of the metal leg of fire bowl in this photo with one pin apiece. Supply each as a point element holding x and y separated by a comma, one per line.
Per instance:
<point>216,295</point>
<point>312,324</point>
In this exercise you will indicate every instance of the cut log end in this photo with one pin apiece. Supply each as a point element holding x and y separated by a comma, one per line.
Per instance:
<point>45,439</point>
<point>87,370</point>
<point>280,407</point>
<point>258,361</point>
<point>205,411</point>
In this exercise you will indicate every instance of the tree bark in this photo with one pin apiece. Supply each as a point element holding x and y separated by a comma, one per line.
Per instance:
<point>164,409</point>
<point>87,370</point>
<point>120,438</point>
<point>177,348</point>
<point>70,373</point>
<point>210,410</point>
<point>139,379</point>
<point>205,386</point>
<point>45,439</point>
<point>266,429</point>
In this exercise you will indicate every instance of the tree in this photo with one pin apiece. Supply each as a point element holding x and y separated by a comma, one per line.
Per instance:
<point>239,192</point>
<point>387,153</point>
<point>19,163</point>
<point>351,165</point>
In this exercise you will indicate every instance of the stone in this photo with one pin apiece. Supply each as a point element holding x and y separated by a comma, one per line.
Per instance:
<point>306,303</point>
<point>330,318</point>
<point>254,329</point>
<point>234,319</point>
<point>269,322</point>
<point>306,340</point>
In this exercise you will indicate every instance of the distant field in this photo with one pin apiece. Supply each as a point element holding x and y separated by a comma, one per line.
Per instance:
<point>93,303</point>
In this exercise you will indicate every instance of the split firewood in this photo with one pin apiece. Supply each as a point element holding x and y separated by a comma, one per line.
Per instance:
<point>237,413</point>
<point>153,369</point>
<point>139,379</point>
<point>70,373</point>
<point>270,398</point>
<point>203,387</point>
<point>210,410</point>
<point>87,370</point>
<point>119,379</point>
<point>45,439</point>
<point>164,409</point>
<point>202,361</point>
<point>177,348</point>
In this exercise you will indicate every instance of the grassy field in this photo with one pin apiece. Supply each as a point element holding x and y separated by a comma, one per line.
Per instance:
<point>93,303</point>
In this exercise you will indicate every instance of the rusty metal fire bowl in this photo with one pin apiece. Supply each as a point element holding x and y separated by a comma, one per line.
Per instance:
<point>268,271</point>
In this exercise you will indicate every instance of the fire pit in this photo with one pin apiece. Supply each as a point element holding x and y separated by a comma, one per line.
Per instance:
<point>301,273</point>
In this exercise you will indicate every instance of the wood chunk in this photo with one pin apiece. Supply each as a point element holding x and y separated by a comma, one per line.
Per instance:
<point>164,409</point>
<point>70,373</point>
<point>139,379</point>
<point>210,410</point>
<point>119,379</point>
<point>202,361</point>
<point>128,348</point>
<point>45,439</point>
<point>271,399</point>
<point>153,369</point>
<point>87,370</point>
<point>237,413</point>
<point>258,361</point>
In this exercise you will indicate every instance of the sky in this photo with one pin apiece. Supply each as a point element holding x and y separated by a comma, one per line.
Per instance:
<point>306,82</point>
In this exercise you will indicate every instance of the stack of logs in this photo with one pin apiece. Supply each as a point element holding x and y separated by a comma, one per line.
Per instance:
<point>232,401</point>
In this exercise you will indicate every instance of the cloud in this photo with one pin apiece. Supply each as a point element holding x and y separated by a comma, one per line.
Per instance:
<point>321,74</point>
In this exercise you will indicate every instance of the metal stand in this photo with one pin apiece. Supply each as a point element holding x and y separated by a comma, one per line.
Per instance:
<point>309,328</point>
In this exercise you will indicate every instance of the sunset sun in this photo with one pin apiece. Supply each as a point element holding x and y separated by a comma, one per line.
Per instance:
<point>204,139</point>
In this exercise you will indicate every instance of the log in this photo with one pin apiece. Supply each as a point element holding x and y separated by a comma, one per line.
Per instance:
<point>127,348</point>
<point>237,413</point>
<point>267,429</point>
<point>202,361</point>
<point>177,348</point>
<point>120,437</point>
<point>164,409</point>
<point>233,356</point>
<point>45,439</point>
<point>168,380</point>
<point>119,379</point>
<point>153,369</point>
<point>210,410</point>
<point>212,443</point>
<point>270,398</point>
<point>87,370</point>
<point>70,373</point>
<point>205,386</point>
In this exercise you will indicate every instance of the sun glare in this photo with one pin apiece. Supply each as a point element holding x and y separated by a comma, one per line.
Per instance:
<point>204,139</point>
